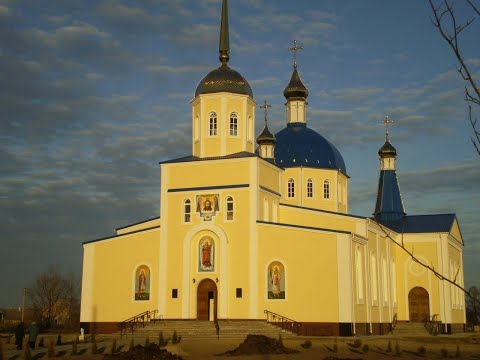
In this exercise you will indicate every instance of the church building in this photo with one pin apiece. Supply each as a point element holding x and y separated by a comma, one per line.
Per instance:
<point>252,225</point>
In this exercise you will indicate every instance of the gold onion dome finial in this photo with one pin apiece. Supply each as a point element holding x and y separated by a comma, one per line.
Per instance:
<point>224,42</point>
<point>295,88</point>
<point>224,79</point>
<point>266,137</point>
<point>387,150</point>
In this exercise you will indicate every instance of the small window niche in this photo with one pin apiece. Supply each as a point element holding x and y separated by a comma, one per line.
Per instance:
<point>239,292</point>
<point>174,293</point>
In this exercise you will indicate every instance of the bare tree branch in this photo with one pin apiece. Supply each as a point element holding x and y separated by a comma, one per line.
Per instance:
<point>428,267</point>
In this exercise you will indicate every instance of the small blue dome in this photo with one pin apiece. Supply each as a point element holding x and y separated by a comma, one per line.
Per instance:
<point>297,145</point>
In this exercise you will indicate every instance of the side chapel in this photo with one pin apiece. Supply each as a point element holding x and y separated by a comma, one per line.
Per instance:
<point>271,231</point>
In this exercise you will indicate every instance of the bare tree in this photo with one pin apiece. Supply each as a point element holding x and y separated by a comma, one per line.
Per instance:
<point>55,296</point>
<point>473,305</point>
<point>451,26</point>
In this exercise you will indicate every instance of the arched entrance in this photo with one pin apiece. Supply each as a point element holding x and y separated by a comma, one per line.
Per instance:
<point>418,304</point>
<point>206,300</point>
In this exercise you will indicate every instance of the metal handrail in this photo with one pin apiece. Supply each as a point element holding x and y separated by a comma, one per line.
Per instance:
<point>136,321</point>
<point>432,324</point>
<point>282,321</point>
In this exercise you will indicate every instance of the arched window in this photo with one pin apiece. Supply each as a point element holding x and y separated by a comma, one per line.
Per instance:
<point>187,210</point>
<point>309,188</point>
<point>229,208</point>
<point>326,189</point>
<point>233,124</point>
<point>250,129</point>
<point>213,124</point>
<point>265,209</point>
<point>291,188</point>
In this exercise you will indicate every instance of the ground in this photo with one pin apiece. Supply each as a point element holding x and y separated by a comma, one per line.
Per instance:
<point>321,348</point>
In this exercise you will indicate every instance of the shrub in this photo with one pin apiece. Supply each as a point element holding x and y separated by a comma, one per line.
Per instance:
<point>147,341</point>
<point>175,338</point>
<point>41,342</point>
<point>113,348</point>
<point>422,350</point>
<point>389,346</point>
<point>161,341</point>
<point>280,340</point>
<point>75,346</point>
<point>444,353</point>
<point>132,345</point>
<point>94,349</point>
<point>27,354</point>
<point>357,343</point>
<point>398,351</point>
<point>366,348</point>
<point>1,350</point>
<point>51,348</point>
<point>59,340</point>
<point>335,346</point>
<point>307,344</point>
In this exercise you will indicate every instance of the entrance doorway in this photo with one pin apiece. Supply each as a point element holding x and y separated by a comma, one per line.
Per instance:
<point>207,300</point>
<point>418,304</point>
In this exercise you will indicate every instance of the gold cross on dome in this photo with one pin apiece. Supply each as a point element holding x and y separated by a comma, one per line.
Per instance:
<point>265,107</point>
<point>387,121</point>
<point>295,48</point>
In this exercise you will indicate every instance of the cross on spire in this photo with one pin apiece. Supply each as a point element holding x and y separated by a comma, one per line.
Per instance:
<point>387,121</point>
<point>265,107</point>
<point>295,48</point>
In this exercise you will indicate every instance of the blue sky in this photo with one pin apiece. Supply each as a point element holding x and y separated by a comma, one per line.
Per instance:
<point>95,93</point>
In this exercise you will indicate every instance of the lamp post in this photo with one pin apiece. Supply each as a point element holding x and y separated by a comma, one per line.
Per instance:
<point>23,303</point>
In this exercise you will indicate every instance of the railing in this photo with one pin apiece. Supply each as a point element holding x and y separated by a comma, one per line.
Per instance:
<point>137,321</point>
<point>432,324</point>
<point>393,324</point>
<point>283,322</point>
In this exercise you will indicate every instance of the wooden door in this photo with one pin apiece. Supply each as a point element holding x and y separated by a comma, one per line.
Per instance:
<point>207,289</point>
<point>418,304</point>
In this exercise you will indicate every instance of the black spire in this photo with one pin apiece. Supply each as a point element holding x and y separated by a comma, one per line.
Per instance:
<point>224,45</point>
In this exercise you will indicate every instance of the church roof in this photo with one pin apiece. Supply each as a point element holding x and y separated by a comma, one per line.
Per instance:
<point>389,205</point>
<point>422,223</point>
<point>295,88</point>
<point>297,145</point>
<point>224,79</point>
<point>387,150</point>
<point>241,154</point>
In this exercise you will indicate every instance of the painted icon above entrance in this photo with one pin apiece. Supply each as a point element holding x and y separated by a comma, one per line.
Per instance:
<point>206,255</point>
<point>207,206</point>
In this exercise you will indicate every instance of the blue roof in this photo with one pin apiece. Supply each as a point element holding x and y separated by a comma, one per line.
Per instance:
<point>297,145</point>
<point>422,223</point>
<point>389,205</point>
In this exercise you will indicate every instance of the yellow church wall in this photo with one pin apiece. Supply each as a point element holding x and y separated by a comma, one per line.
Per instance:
<point>310,276</point>
<point>455,232</point>
<point>215,173</point>
<point>457,297</point>
<point>314,218</point>
<point>268,176</point>
<point>137,227</point>
<point>113,300</point>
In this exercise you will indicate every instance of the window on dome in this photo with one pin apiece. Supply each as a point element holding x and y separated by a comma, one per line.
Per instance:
<point>233,124</point>
<point>229,208</point>
<point>187,210</point>
<point>291,188</point>
<point>213,124</point>
<point>309,188</point>
<point>326,189</point>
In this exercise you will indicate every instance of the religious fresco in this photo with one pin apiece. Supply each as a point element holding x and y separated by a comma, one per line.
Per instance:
<point>142,283</point>
<point>207,206</point>
<point>206,255</point>
<point>276,280</point>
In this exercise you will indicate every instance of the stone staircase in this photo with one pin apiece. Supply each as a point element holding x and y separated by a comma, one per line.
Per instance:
<point>188,329</point>
<point>410,329</point>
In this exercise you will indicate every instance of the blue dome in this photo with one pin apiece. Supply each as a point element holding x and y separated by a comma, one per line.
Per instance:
<point>297,145</point>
